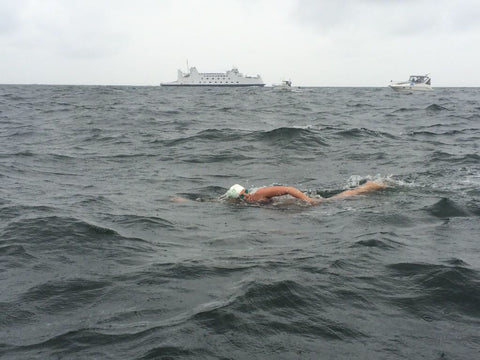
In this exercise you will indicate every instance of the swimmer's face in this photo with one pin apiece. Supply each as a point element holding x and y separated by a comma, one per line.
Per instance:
<point>242,194</point>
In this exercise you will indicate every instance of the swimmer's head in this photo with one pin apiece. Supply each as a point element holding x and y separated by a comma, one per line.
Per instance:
<point>234,192</point>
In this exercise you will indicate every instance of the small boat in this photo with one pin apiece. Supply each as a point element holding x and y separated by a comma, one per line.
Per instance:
<point>285,85</point>
<point>414,83</point>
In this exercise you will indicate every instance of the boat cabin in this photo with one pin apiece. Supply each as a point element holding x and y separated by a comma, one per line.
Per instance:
<point>419,79</point>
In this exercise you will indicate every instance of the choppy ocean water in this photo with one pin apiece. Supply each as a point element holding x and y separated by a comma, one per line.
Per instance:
<point>97,261</point>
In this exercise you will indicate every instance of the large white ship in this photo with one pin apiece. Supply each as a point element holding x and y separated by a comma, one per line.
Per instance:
<point>230,78</point>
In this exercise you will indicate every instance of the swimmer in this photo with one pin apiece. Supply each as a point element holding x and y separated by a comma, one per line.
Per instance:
<point>267,193</point>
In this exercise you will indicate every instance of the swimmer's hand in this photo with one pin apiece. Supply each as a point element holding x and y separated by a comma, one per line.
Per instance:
<point>315,201</point>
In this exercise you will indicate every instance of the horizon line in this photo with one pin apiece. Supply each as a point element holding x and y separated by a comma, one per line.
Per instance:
<point>213,86</point>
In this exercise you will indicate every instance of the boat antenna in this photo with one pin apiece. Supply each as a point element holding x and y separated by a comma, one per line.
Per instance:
<point>188,69</point>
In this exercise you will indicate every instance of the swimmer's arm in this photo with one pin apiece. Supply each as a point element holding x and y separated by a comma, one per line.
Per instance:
<point>268,192</point>
<point>369,186</point>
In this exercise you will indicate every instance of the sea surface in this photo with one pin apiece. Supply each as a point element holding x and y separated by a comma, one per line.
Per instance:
<point>115,242</point>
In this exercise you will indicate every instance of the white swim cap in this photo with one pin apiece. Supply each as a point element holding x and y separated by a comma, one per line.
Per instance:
<point>234,191</point>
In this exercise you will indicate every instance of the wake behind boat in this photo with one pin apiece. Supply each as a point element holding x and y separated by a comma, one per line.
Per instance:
<point>230,78</point>
<point>414,83</point>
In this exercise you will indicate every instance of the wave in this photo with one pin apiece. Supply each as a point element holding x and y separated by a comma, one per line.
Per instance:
<point>176,352</point>
<point>255,310</point>
<point>229,157</point>
<point>431,133</point>
<point>123,156</point>
<point>285,137</point>
<point>373,243</point>
<point>436,108</point>
<point>167,112</point>
<point>146,222</point>
<point>190,270</point>
<point>205,135</point>
<point>16,98</point>
<point>429,108</point>
<point>288,137</point>
<point>206,193</point>
<point>91,343</point>
<point>466,131</point>
<point>441,156</point>
<point>62,231</point>
<point>446,208</point>
<point>277,136</point>
<point>362,132</point>
<point>282,306</point>
<point>10,212</point>
<point>53,157</point>
<point>98,136</point>
<point>65,295</point>
<point>25,153</point>
<point>15,256</point>
<point>360,105</point>
<point>283,132</point>
<point>437,290</point>
<point>403,110</point>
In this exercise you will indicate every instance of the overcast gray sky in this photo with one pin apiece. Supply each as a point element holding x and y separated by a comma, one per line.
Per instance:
<point>311,42</point>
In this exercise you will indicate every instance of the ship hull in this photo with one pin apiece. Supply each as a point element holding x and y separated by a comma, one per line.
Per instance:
<point>212,85</point>
<point>410,88</point>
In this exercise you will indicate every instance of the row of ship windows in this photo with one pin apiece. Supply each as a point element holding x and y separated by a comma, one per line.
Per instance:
<point>215,82</point>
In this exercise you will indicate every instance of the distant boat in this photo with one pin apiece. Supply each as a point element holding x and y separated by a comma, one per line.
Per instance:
<point>230,78</point>
<point>414,83</point>
<point>285,85</point>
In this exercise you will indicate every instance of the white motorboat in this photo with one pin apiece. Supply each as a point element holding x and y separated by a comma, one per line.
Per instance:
<point>230,78</point>
<point>414,83</point>
<point>285,85</point>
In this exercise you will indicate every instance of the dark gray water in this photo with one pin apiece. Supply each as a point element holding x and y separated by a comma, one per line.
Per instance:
<point>97,261</point>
